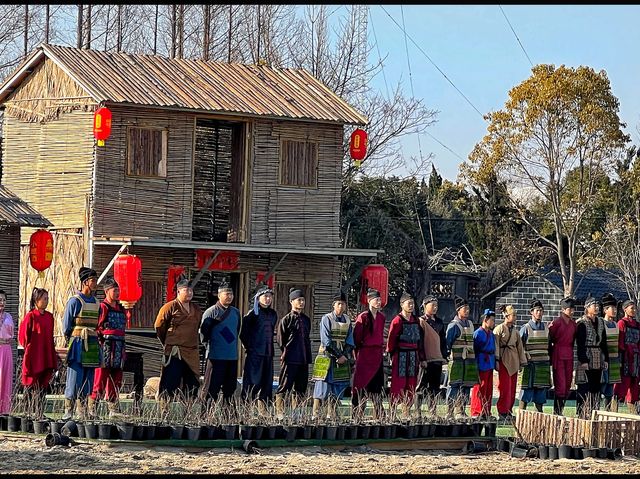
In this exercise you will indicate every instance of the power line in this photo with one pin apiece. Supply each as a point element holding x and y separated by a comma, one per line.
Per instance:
<point>516,35</point>
<point>433,63</point>
<point>445,146</point>
<point>384,76</point>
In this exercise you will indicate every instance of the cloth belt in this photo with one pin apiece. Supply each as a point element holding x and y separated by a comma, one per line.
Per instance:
<point>5,341</point>
<point>175,351</point>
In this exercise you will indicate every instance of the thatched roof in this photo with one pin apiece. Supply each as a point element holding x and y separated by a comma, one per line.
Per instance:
<point>15,211</point>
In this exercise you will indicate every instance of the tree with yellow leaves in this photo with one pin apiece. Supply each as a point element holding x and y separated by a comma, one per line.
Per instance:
<point>558,121</point>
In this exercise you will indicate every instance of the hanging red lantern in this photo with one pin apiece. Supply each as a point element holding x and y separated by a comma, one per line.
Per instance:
<point>127,271</point>
<point>174,274</point>
<point>358,146</point>
<point>102,125</point>
<point>375,276</point>
<point>41,251</point>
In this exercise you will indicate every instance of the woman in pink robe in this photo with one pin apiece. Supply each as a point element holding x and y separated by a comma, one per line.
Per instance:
<point>562,336</point>
<point>6,356</point>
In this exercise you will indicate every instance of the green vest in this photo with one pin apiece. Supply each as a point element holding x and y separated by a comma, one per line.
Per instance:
<point>537,373</point>
<point>613,372</point>
<point>323,362</point>
<point>463,369</point>
<point>85,328</point>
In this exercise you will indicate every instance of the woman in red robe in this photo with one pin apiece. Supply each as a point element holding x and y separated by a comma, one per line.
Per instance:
<point>368,373</point>
<point>40,360</point>
<point>562,336</point>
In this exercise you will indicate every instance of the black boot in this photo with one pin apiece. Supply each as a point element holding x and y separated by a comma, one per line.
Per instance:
<point>607,403</point>
<point>539,407</point>
<point>556,407</point>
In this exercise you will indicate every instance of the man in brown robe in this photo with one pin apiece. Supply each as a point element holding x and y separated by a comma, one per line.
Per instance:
<point>177,328</point>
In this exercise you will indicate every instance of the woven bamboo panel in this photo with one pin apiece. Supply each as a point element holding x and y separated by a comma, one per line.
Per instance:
<point>153,207</point>
<point>50,166</point>
<point>46,93</point>
<point>60,279</point>
<point>292,215</point>
<point>10,275</point>
<point>604,431</point>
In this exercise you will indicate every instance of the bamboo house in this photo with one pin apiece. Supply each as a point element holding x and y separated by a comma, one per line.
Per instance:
<point>220,171</point>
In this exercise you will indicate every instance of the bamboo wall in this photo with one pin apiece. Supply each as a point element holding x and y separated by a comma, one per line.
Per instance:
<point>61,278</point>
<point>10,274</point>
<point>152,207</point>
<point>290,215</point>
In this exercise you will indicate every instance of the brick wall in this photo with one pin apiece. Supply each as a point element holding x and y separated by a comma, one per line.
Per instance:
<point>521,293</point>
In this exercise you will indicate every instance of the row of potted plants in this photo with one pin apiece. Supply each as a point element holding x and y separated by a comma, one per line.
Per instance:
<point>553,451</point>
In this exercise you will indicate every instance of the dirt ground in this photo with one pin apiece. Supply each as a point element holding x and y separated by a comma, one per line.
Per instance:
<point>30,455</point>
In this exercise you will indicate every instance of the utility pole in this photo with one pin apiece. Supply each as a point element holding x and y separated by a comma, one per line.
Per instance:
<point>26,29</point>
<point>79,31</point>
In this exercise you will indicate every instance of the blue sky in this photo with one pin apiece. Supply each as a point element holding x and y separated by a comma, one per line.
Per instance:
<point>475,47</point>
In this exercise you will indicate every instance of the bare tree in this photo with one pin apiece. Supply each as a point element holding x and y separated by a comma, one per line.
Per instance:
<point>79,26</point>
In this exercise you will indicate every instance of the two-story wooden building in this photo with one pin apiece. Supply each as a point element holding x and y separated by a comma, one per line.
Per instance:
<point>204,158</point>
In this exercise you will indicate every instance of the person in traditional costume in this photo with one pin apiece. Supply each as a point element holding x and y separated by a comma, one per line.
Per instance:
<point>484,347</point>
<point>510,359</point>
<point>462,370</point>
<point>6,356</point>
<point>593,358</point>
<point>368,373</point>
<point>406,351</point>
<point>562,336</point>
<point>79,324</point>
<point>111,327</point>
<point>219,331</point>
<point>257,333</point>
<point>611,375</point>
<point>40,360</point>
<point>332,365</point>
<point>629,351</point>
<point>535,380</point>
<point>435,352</point>
<point>176,326</point>
<point>294,340</point>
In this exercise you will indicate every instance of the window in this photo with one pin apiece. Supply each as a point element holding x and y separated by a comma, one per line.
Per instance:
<point>298,163</point>
<point>441,289</point>
<point>147,152</point>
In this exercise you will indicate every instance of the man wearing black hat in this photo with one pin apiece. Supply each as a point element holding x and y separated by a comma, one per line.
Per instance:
<point>219,330</point>
<point>111,333</point>
<point>629,347</point>
<point>177,327</point>
<point>368,373</point>
<point>562,336</point>
<point>256,334</point>
<point>331,368</point>
<point>80,320</point>
<point>536,375</point>
<point>406,351</point>
<point>295,345</point>
<point>435,352</point>
<point>463,370</point>
<point>593,357</point>
<point>611,375</point>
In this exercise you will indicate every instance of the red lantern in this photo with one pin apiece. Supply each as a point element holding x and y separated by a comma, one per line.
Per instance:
<point>102,125</point>
<point>127,271</point>
<point>375,276</point>
<point>41,251</point>
<point>225,261</point>
<point>358,146</point>
<point>174,274</point>
<point>271,282</point>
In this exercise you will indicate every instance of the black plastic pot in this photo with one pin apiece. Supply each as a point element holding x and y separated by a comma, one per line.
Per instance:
<point>26,425</point>
<point>341,433</point>
<point>576,452</point>
<point>56,426</point>
<point>177,431</point>
<point>455,431</point>
<point>365,431</point>
<point>330,432</point>
<point>40,426</point>
<point>307,432</point>
<point>319,432</point>
<point>105,431</point>
<point>139,431</point>
<point>564,451</point>
<point>193,432</point>
<point>519,451</point>
<point>3,422</point>
<point>163,431</point>
<point>14,423</point>
<point>231,432</point>
<point>543,452</point>
<point>475,446</point>
<point>553,452</point>
<point>589,452</point>
<point>79,425</point>
<point>246,432</point>
<point>91,430</point>
<point>70,429</point>
<point>476,429</point>
<point>389,431</point>
<point>125,430</point>
<point>615,453</point>
<point>272,432</point>
<point>602,453</point>
<point>258,432</point>
<point>291,432</point>
<point>352,432</point>
<point>374,432</point>
<point>490,429</point>
<point>56,439</point>
<point>280,432</point>
<point>150,432</point>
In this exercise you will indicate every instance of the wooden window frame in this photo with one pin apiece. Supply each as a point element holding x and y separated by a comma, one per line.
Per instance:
<point>281,179</point>
<point>162,166</point>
